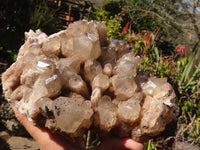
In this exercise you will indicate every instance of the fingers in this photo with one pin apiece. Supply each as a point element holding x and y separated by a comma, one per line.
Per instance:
<point>133,145</point>
<point>120,144</point>
<point>126,144</point>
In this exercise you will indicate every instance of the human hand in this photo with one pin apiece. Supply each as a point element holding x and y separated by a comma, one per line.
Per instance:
<point>49,141</point>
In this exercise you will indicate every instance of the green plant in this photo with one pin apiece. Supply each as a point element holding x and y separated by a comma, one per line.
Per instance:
<point>43,18</point>
<point>18,17</point>
<point>113,22</point>
<point>112,6</point>
<point>144,44</point>
<point>99,14</point>
<point>149,15</point>
<point>189,104</point>
<point>189,64</point>
<point>114,26</point>
<point>149,146</point>
<point>8,55</point>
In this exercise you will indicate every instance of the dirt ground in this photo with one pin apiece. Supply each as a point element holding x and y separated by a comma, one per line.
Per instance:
<point>8,142</point>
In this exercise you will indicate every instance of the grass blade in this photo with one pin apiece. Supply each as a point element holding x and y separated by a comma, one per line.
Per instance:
<point>189,65</point>
<point>157,54</point>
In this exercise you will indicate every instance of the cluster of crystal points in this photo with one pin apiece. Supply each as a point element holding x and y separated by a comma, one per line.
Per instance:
<point>76,79</point>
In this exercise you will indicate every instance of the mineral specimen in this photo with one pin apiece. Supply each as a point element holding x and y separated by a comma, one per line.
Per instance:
<point>76,78</point>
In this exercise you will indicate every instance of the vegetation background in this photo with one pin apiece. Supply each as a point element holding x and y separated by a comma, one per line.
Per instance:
<point>166,34</point>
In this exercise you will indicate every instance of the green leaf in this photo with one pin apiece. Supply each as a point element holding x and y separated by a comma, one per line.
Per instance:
<point>84,137</point>
<point>189,65</point>
<point>157,54</point>
<point>149,146</point>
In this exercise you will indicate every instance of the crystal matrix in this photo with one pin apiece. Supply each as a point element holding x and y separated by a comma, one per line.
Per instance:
<point>77,79</point>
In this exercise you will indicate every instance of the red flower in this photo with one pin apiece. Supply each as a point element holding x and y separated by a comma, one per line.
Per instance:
<point>125,28</point>
<point>180,49</point>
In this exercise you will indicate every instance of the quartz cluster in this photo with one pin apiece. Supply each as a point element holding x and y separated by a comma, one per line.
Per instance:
<point>76,79</point>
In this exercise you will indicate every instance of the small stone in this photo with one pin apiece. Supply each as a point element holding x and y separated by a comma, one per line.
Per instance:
<point>4,135</point>
<point>136,133</point>
<point>51,124</point>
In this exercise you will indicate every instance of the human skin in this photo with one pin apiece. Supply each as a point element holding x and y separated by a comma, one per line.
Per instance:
<point>49,141</point>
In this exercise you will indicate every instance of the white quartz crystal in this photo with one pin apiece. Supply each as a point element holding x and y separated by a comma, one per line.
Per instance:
<point>76,79</point>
